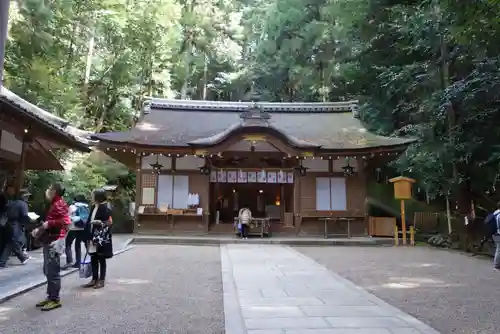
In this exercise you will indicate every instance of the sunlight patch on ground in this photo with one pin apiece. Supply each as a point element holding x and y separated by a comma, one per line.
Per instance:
<point>422,265</point>
<point>131,281</point>
<point>415,282</point>
<point>3,313</point>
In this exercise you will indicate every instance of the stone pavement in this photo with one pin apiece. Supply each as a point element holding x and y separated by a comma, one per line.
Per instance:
<point>17,279</point>
<point>149,290</point>
<point>276,290</point>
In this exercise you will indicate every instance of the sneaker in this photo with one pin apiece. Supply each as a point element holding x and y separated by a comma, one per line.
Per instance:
<point>43,303</point>
<point>26,260</point>
<point>51,305</point>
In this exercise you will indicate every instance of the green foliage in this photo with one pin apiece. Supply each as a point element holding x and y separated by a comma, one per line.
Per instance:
<point>426,68</point>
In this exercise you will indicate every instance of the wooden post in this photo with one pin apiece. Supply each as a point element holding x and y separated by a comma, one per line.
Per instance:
<point>403,221</point>
<point>402,192</point>
<point>396,235</point>
<point>19,181</point>
<point>296,201</point>
<point>412,236</point>
<point>138,191</point>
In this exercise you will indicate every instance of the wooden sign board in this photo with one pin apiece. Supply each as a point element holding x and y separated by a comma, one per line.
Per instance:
<point>402,187</point>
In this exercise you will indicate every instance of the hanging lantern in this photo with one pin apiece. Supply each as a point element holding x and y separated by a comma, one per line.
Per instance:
<point>301,169</point>
<point>348,169</point>
<point>205,170</point>
<point>157,166</point>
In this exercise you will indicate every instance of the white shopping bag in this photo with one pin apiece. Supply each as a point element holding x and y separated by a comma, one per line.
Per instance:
<point>85,267</point>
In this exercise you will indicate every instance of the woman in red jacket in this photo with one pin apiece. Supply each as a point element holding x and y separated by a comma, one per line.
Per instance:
<point>54,231</point>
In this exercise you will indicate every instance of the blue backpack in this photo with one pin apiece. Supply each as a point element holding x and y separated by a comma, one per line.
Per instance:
<point>82,212</point>
<point>491,223</point>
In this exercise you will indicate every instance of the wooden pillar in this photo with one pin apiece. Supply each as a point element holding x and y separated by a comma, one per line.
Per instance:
<point>19,181</point>
<point>296,200</point>
<point>282,203</point>
<point>138,191</point>
<point>282,197</point>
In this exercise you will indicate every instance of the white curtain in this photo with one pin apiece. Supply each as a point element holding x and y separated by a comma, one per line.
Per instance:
<point>338,192</point>
<point>181,191</point>
<point>322,193</point>
<point>165,198</point>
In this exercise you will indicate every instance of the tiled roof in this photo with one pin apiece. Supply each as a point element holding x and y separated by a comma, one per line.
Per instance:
<point>80,138</point>
<point>181,123</point>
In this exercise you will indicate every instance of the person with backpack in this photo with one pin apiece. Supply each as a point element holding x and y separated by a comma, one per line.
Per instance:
<point>492,222</point>
<point>79,213</point>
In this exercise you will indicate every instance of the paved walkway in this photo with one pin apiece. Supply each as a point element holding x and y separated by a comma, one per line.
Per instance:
<point>17,278</point>
<point>276,290</point>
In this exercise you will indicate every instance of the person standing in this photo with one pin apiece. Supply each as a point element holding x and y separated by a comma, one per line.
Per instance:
<point>52,235</point>
<point>245,217</point>
<point>496,237</point>
<point>4,237</point>
<point>17,217</point>
<point>99,245</point>
<point>79,214</point>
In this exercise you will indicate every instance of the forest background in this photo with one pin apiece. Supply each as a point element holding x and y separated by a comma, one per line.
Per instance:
<point>428,69</point>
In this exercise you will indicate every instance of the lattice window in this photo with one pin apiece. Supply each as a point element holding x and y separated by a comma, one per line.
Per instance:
<point>148,180</point>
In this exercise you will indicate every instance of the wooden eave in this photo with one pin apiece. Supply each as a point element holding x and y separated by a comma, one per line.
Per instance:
<point>112,146</point>
<point>12,115</point>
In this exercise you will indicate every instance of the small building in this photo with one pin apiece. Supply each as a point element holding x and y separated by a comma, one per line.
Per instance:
<point>198,162</point>
<point>29,137</point>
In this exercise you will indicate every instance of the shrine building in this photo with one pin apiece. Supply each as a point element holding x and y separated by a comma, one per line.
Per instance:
<point>198,162</point>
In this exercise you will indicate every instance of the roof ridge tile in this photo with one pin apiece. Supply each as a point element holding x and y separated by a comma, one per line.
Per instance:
<point>238,106</point>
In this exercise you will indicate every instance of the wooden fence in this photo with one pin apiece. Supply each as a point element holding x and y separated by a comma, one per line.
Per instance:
<point>430,221</point>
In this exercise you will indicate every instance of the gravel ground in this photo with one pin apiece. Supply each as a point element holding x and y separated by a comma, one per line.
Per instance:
<point>150,289</point>
<point>452,292</point>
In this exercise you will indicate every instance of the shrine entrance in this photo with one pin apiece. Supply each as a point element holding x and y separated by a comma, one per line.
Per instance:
<point>259,181</point>
<point>264,200</point>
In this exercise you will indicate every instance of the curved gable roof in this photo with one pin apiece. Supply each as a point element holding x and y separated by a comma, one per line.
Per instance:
<point>177,123</point>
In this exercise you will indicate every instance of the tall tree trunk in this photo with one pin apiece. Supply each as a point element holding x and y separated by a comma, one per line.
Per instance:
<point>187,66</point>
<point>4,27</point>
<point>205,77</point>
<point>88,62</point>
<point>71,53</point>
<point>322,79</point>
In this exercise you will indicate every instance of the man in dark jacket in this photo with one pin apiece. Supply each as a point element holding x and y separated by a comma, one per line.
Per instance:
<point>4,236</point>
<point>17,217</point>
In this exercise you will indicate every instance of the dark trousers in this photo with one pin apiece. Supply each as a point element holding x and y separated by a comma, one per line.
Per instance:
<point>78,237</point>
<point>14,244</point>
<point>244,230</point>
<point>98,264</point>
<point>52,270</point>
